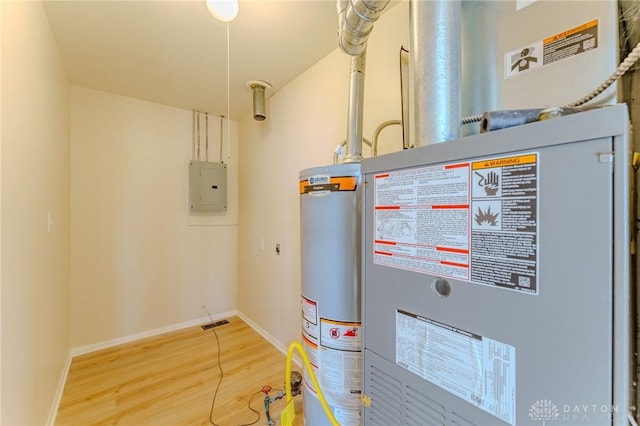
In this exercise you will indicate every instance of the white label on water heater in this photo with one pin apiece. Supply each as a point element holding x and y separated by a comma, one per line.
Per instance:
<point>320,180</point>
<point>341,377</point>
<point>311,349</point>
<point>347,417</point>
<point>340,368</point>
<point>310,318</point>
<point>476,369</point>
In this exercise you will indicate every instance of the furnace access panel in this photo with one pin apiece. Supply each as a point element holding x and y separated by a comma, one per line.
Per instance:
<point>496,283</point>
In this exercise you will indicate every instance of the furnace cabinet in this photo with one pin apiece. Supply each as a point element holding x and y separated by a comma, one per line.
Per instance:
<point>496,278</point>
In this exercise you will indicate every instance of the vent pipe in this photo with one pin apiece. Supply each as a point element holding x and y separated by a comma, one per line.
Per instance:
<point>479,75</point>
<point>259,88</point>
<point>356,18</point>
<point>435,70</point>
<point>353,152</point>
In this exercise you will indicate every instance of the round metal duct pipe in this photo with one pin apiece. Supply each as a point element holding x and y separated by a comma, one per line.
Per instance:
<point>258,88</point>
<point>356,19</point>
<point>356,106</point>
<point>436,70</point>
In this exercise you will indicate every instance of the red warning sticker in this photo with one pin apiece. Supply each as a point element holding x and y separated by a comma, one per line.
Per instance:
<point>341,335</point>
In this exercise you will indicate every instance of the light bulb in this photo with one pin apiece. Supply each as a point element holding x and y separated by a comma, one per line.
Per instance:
<point>224,10</point>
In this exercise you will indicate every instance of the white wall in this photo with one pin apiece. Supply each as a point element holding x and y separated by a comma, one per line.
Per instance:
<point>35,181</point>
<point>139,260</point>
<point>306,120</point>
<point>0,212</point>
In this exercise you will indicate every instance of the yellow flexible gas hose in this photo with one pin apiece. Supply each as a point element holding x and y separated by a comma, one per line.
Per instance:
<point>289,412</point>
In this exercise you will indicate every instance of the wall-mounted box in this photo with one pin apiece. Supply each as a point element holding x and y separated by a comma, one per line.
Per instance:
<point>207,186</point>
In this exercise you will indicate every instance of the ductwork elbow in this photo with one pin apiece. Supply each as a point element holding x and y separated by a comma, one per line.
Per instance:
<point>356,19</point>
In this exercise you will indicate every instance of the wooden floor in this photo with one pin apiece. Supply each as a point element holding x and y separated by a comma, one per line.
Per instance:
<point>171,380</point>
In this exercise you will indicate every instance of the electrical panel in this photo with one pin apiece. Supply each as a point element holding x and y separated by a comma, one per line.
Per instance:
<point>207,186</point>
<point>496,278</point>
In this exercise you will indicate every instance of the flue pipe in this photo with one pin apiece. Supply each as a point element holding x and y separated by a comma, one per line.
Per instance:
<point>479,75</point>
<point>353,152</point>
<point>436,70</point>
<point>356,19</point>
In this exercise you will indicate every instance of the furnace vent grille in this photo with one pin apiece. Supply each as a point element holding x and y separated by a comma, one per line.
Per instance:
<point>386,398</point>
<point>458,420</point>
<point>421,410</point>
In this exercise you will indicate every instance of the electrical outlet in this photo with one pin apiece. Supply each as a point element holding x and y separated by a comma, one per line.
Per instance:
<point>50,222</point>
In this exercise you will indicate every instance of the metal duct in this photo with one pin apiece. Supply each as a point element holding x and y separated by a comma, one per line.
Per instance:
<point>356,103</point>
<point>436,70</point>
<point>479,74</point>
<point>356,19</point>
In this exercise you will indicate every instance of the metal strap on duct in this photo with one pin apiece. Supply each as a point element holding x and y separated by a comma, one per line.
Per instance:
<point>356,19</point>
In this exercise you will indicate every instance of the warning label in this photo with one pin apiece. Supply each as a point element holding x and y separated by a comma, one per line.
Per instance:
<point>479,370</point>
<point>340,362</point>
<point>341,335</point>
<point>504,226</point>
<point>310,318</point>
<point>311,349</point>
<point>422,220</point>
<point>341,377</point>
<point>310,335</point>
<point>563,45</point>
<point>475,221</point>
<point>571,42</point>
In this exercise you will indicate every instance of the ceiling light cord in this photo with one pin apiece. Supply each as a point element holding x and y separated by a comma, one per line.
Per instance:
<point>206,120</point>
<point>221,135</point>
<point>228,96</point>
<point>215,395</point>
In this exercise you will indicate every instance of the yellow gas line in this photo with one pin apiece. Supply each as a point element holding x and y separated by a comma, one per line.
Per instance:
<point>289,412</point>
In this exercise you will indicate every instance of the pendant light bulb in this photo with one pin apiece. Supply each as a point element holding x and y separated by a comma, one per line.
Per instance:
<point>224,10</point>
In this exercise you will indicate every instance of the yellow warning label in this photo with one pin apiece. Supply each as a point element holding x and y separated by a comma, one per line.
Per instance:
<point>571,31</point>
<point>506,161</point>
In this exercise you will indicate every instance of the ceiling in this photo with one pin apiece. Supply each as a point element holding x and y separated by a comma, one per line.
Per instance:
<point>175,53</point>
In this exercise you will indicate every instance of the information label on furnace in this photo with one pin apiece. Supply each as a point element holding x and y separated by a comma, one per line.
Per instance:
<point>476,369</point>
<point>475,221</point>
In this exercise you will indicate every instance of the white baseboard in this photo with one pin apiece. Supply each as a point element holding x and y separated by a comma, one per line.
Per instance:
<point>149,333</point>
<point>53,413</point>
<point>82,350</point>
<point>269,338</point>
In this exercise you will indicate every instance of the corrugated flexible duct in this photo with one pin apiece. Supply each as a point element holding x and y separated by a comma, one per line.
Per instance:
<point>356,19</point>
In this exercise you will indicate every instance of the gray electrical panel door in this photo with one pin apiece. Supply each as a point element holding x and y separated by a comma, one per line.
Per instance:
<point>496,283</point>
<point>207,186</point>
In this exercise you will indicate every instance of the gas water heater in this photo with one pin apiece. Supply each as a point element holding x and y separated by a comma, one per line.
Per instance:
<point>496,278</point>
<point>330,212</point>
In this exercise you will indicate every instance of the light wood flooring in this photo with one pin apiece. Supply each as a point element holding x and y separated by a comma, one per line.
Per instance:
<point>171,380</point>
